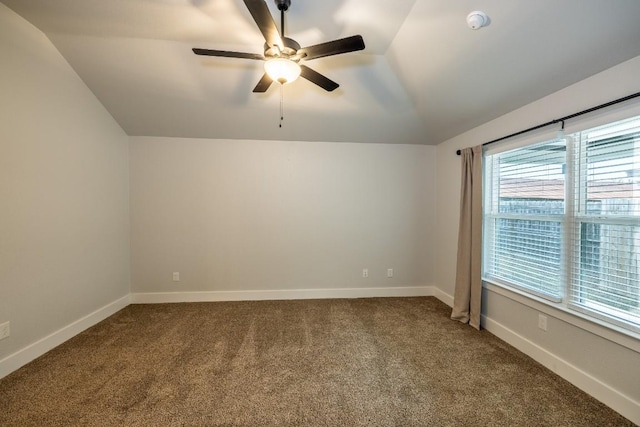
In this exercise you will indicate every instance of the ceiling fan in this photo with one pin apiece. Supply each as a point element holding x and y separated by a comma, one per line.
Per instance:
<point>284,57</point>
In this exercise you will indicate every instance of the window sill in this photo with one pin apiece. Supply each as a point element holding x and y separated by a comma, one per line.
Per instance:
<point>620,336</point>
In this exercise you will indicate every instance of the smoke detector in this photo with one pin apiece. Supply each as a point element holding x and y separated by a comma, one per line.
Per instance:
<point>477,20</point>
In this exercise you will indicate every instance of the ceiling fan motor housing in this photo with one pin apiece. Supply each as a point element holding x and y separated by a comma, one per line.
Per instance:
<point>290,48</point>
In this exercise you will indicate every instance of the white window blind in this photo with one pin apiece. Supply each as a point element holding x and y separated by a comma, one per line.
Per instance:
<point>562,221</point>
<point>605,268</point>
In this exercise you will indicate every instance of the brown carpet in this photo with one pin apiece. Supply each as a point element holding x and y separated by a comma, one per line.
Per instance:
<point>356,362</point>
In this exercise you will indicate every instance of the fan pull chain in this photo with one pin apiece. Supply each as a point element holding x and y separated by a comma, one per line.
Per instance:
<point>281,104</point>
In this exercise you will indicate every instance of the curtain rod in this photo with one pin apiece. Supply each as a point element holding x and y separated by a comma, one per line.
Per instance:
<point>562,119</point>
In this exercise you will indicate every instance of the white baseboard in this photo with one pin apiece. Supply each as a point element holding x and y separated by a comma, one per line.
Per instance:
<point>596,388</point>
<point>40,347</point>
<point>444,297</point>
<point>283,294</point>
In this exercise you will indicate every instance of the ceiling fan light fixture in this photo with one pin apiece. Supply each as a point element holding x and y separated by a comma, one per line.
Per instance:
<point>282,70</point>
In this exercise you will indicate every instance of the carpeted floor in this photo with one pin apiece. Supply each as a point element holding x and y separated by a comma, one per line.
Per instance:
<point>357,362</point>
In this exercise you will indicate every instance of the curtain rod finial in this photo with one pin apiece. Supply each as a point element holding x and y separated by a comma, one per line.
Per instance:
<point>458,152</point>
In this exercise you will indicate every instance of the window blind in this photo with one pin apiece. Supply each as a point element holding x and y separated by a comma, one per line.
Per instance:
<point>525,215</point>
<point>605,263</point>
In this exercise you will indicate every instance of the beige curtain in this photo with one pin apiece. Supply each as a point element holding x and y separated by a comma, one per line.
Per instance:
<point>468,290</point>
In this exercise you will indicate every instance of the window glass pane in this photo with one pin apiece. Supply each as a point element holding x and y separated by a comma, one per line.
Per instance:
<point>527,253</point>
<point>523,244</point>
<point>609,269</point>
<point>613,169</point>
<point>531,179</point>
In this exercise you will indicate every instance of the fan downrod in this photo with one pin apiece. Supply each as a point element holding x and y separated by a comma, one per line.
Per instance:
<point>283,6</point>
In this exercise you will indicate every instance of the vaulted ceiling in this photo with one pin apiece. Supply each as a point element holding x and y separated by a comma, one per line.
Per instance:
<point>423,77</point>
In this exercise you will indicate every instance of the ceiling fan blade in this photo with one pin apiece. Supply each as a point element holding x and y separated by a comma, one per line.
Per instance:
<point>226,53</point>
<point>263,84</point>
<point>335,47</point>
<point>317,78</point>
<point>260,13</point>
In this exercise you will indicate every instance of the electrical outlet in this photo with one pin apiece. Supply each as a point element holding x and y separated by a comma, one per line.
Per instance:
<point>365,272</point>
<point>4,330</point>
<point>389,272</point>
<point>542,322</point>
<point>176,276</point>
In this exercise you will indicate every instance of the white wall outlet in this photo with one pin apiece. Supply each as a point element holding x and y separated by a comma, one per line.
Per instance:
<point>542,322</point>
<point>389,272</point>
<point>176,276</point>
<point>4,330</point>
<point>365,272</point>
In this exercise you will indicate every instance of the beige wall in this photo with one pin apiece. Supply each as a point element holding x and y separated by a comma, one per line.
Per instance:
<point>262,215</point>
<point>64,233</point>
<point>564,346</point>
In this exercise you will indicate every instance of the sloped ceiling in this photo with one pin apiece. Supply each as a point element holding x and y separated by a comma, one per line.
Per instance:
<point>424,76</point>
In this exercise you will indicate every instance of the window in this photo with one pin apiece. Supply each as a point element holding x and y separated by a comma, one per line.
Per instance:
<point>562,221</point>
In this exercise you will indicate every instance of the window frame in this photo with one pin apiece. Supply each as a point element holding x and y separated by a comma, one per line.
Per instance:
<point>493,215</point>
<point>575,214</point>
<point>577,160</point>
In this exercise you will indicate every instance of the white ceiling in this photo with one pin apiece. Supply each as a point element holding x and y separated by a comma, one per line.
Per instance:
<point>423,77</point>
